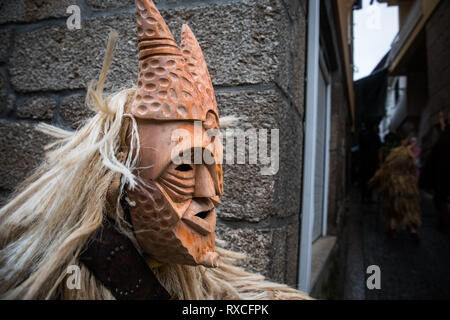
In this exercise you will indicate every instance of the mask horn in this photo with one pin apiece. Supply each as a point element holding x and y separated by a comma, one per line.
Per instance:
<point>154,35</point>
<point>197,67</point>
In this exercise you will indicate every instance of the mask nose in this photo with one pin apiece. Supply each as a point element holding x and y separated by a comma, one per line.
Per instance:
<point>204,183</point>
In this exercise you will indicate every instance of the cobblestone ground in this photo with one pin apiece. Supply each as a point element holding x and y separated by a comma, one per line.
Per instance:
<point>409,270</point>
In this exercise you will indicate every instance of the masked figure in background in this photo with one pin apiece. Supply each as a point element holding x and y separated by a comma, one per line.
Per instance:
<point>391,141</point>
<point>397,182</point>
<point>125,201</point>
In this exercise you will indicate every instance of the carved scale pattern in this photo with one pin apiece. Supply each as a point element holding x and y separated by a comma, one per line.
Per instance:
<point>154,226</point>
<point>171,85</point>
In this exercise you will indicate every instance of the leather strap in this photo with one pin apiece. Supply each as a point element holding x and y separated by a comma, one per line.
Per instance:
<point>114,261</point>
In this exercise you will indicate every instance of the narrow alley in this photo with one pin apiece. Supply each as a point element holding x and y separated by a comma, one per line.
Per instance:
<point>410,270</point>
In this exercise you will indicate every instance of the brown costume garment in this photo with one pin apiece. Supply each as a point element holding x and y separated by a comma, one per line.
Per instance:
<point>397,182</point>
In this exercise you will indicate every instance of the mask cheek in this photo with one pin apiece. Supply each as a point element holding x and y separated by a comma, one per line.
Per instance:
<point>160,231</point>
<point>152,217</point>
<point>178,207</point>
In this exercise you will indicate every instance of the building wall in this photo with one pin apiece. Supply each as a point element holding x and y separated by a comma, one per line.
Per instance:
<point>255,50</point>
<point>438,60</point>
<point>339,153</point>
<point>345,16</point>
<point>336,47</point>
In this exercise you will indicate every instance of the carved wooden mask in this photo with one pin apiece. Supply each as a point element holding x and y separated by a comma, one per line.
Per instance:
<point>174,217</point>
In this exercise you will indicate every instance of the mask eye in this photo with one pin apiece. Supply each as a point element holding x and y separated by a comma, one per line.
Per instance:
<point>184,168</point>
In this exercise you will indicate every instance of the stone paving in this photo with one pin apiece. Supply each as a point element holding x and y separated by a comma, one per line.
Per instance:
<point>409,270</point>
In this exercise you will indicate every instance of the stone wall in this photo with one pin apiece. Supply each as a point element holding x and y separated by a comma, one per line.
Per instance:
<point>255,50</point>
<point>438,56</point>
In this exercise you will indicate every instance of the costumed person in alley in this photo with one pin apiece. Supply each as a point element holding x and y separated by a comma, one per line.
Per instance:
<point>121,198</point>
<point>391,141</point>
<point>397,182</point>
<point>435,176</point>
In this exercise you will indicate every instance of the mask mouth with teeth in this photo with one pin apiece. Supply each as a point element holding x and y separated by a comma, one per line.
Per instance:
<point>174,215</point>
